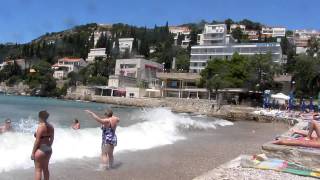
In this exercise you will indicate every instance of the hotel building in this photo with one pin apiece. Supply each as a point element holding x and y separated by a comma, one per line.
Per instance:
<point>214,43</point>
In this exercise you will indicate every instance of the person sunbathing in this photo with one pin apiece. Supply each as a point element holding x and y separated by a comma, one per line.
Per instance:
<point>311,138</point>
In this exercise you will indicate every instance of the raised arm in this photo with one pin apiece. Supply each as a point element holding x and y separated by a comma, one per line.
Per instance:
<point>97,118</point>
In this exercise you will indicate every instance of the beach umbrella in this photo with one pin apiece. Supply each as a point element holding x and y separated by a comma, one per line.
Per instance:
<point>280,98</point>
<point>266,99</point>
<point>291,101</point>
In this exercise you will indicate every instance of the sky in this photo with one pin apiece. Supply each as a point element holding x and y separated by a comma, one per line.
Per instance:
<point>24,20</point>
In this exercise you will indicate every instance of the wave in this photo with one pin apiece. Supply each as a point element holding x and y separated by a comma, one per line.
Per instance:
<point>156,127</point>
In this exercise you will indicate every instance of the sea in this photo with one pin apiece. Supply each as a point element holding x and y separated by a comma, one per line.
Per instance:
<point>139,129</point>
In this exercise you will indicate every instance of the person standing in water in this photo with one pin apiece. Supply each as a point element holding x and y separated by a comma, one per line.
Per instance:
<point>76,124</point>
<point>6,127</point>
<point>109,139</point>
<point>42,150</point>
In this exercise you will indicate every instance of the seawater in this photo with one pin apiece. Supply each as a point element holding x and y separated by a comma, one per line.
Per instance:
<point>139,129</point>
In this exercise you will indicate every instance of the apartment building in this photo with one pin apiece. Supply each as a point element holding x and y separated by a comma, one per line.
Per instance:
<point>253,35</point>
<point>301,39</point>
<point>20,62</point>
<point>215,43</point>
<point>235,26</point>
<point>125,44</point>
<point>135,76</point>
<point>178,31</point>
<point>268,32</point>
<point>213,34</point>
<point>67,65</point>
<point>95,53</point>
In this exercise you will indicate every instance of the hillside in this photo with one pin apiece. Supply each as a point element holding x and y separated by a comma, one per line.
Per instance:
<point>77,41</point>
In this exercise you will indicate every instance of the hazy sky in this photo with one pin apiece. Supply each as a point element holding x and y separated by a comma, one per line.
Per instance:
<point>24,20</point>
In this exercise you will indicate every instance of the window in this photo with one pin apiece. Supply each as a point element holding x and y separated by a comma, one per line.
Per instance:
<point>127,66</point>
<point>203,64</point>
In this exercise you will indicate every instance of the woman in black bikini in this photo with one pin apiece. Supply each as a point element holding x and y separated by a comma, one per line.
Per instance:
<point>42,151</point>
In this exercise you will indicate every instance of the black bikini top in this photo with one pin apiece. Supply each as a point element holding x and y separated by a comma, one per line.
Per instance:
<point>35,135</point>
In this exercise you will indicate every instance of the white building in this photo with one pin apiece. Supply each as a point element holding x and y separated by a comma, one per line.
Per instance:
<point>273,31</point>
<point>301,39</point>
<point>279,32</point>
<point>60,72</point>
<point>67,65</point>
<point>135,76</point>
<point>213,34</point>
<point>267,31</point>
<point>96,52</point>
<point>215,43</point>
<point>235,26</point>
<point>253,35</point>
<point>97,35</point>
<point>138,68</point>
<point>125,44</point>
<point>20,62</point>
<point>178,31</point>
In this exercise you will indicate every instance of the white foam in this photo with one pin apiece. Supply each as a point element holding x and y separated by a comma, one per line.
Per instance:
<point>159,127</point>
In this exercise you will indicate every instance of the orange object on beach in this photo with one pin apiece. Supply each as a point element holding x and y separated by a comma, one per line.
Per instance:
<point>303,142</point>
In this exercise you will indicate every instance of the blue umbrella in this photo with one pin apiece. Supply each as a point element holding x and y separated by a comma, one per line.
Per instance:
<point>291,101</point>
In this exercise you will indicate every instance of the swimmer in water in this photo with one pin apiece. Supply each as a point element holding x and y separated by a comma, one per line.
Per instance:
<point>76,124</point>
<point>6,127</point>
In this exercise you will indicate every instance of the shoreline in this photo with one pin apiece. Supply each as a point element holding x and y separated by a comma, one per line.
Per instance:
<point>185,159</point>
<point>249,119</point>
<point>195,106</point>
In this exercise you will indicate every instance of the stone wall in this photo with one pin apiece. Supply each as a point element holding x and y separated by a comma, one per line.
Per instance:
<point>196,106</point>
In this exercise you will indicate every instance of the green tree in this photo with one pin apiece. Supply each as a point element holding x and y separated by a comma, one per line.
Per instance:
<point>305,71</point>
<point>182,60</point>
<point>228,22</point>
<point>262,71</point>
<point>10,70</point>
<point>237,34</point>
<point>313,47</point>
<point>42,79</point>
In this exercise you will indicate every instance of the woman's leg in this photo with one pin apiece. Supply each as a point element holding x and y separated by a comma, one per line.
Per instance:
<point>38,162</point>
<point>110,154</point>
<point>314,126</point>
<point>104,155</point>
<point>46,173</point>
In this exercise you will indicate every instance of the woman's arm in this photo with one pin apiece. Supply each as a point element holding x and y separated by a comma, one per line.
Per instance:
<point>36,142</point>
<point>97,118</point>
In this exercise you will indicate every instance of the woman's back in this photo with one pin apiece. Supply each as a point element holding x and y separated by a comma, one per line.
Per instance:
<point>46,133</point>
